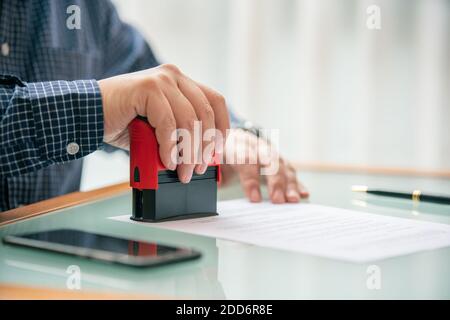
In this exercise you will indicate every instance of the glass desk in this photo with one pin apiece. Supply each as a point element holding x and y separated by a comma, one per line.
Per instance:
<point>230,270</point>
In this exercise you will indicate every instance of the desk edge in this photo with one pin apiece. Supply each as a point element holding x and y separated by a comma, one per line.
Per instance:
<point>61,202</point>
<point>76,198</point>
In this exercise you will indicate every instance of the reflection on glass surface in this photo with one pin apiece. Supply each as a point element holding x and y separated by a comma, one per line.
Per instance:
<point>101,242</point>
<point>197,279</point>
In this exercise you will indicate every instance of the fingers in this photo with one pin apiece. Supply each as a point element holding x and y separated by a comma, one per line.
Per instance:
<point>221,116</point>
<point>171,101</point>
<point>304,193</point>
<point>159,114</point>
<point>295,185</point>
<point>282,184</point>
<point>279,177</point>
<point>285,182</point>
<point>292,185</point>
<point>185,118</point>
<point>282,187</point>
<point>205,115</point>
<point>191,103</point>
<point>249,176</point>
<point>276,185</point>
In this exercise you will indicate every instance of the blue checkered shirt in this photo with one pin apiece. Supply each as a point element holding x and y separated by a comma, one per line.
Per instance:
<point>49,98</point>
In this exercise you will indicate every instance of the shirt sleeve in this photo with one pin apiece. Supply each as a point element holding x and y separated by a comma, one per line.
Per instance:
<point>43,123</point>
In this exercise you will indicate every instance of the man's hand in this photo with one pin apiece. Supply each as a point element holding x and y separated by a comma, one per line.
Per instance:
<point>283,186</point>
<point>170,100</point>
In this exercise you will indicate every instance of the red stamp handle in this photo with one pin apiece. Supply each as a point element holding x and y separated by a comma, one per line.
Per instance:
<point>145,162</point>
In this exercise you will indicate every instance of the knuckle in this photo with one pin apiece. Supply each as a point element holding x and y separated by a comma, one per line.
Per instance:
<point>218,99</point>
<point>167,123</point>
<point>250,182</point>
<point>189,125</point>
<point>277,183</point>
<point>149,83</point>
<point>165,78</point>
<point>209,114</point>
<point>171,68</point>
<point>279,177</point>
<point>288,165</point>
<point>291,170</point>
<point>290,176</point>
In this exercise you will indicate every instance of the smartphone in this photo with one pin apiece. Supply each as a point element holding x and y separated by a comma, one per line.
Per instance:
<point>104,248</point>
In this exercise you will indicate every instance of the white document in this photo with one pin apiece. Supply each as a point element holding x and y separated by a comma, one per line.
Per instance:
<point>314,229</point>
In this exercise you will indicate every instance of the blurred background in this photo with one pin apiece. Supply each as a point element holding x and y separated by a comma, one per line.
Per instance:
<point>340,92</point>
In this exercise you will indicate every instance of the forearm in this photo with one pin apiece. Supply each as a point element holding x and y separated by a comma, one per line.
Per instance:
<point>44,123</point>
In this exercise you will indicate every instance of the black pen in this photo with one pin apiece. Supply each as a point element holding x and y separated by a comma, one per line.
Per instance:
<point>416,195</point>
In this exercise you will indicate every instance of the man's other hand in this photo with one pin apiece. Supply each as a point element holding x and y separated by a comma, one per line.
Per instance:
<point>282,185</point>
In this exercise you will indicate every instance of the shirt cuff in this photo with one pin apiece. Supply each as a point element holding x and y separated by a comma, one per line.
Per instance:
<point>68,117</point>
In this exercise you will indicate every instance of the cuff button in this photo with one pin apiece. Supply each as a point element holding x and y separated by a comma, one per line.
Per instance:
<point>4,48</point>
<point>73,148</point>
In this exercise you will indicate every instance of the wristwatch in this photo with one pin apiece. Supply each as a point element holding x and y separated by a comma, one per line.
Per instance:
<point>250,127</point>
